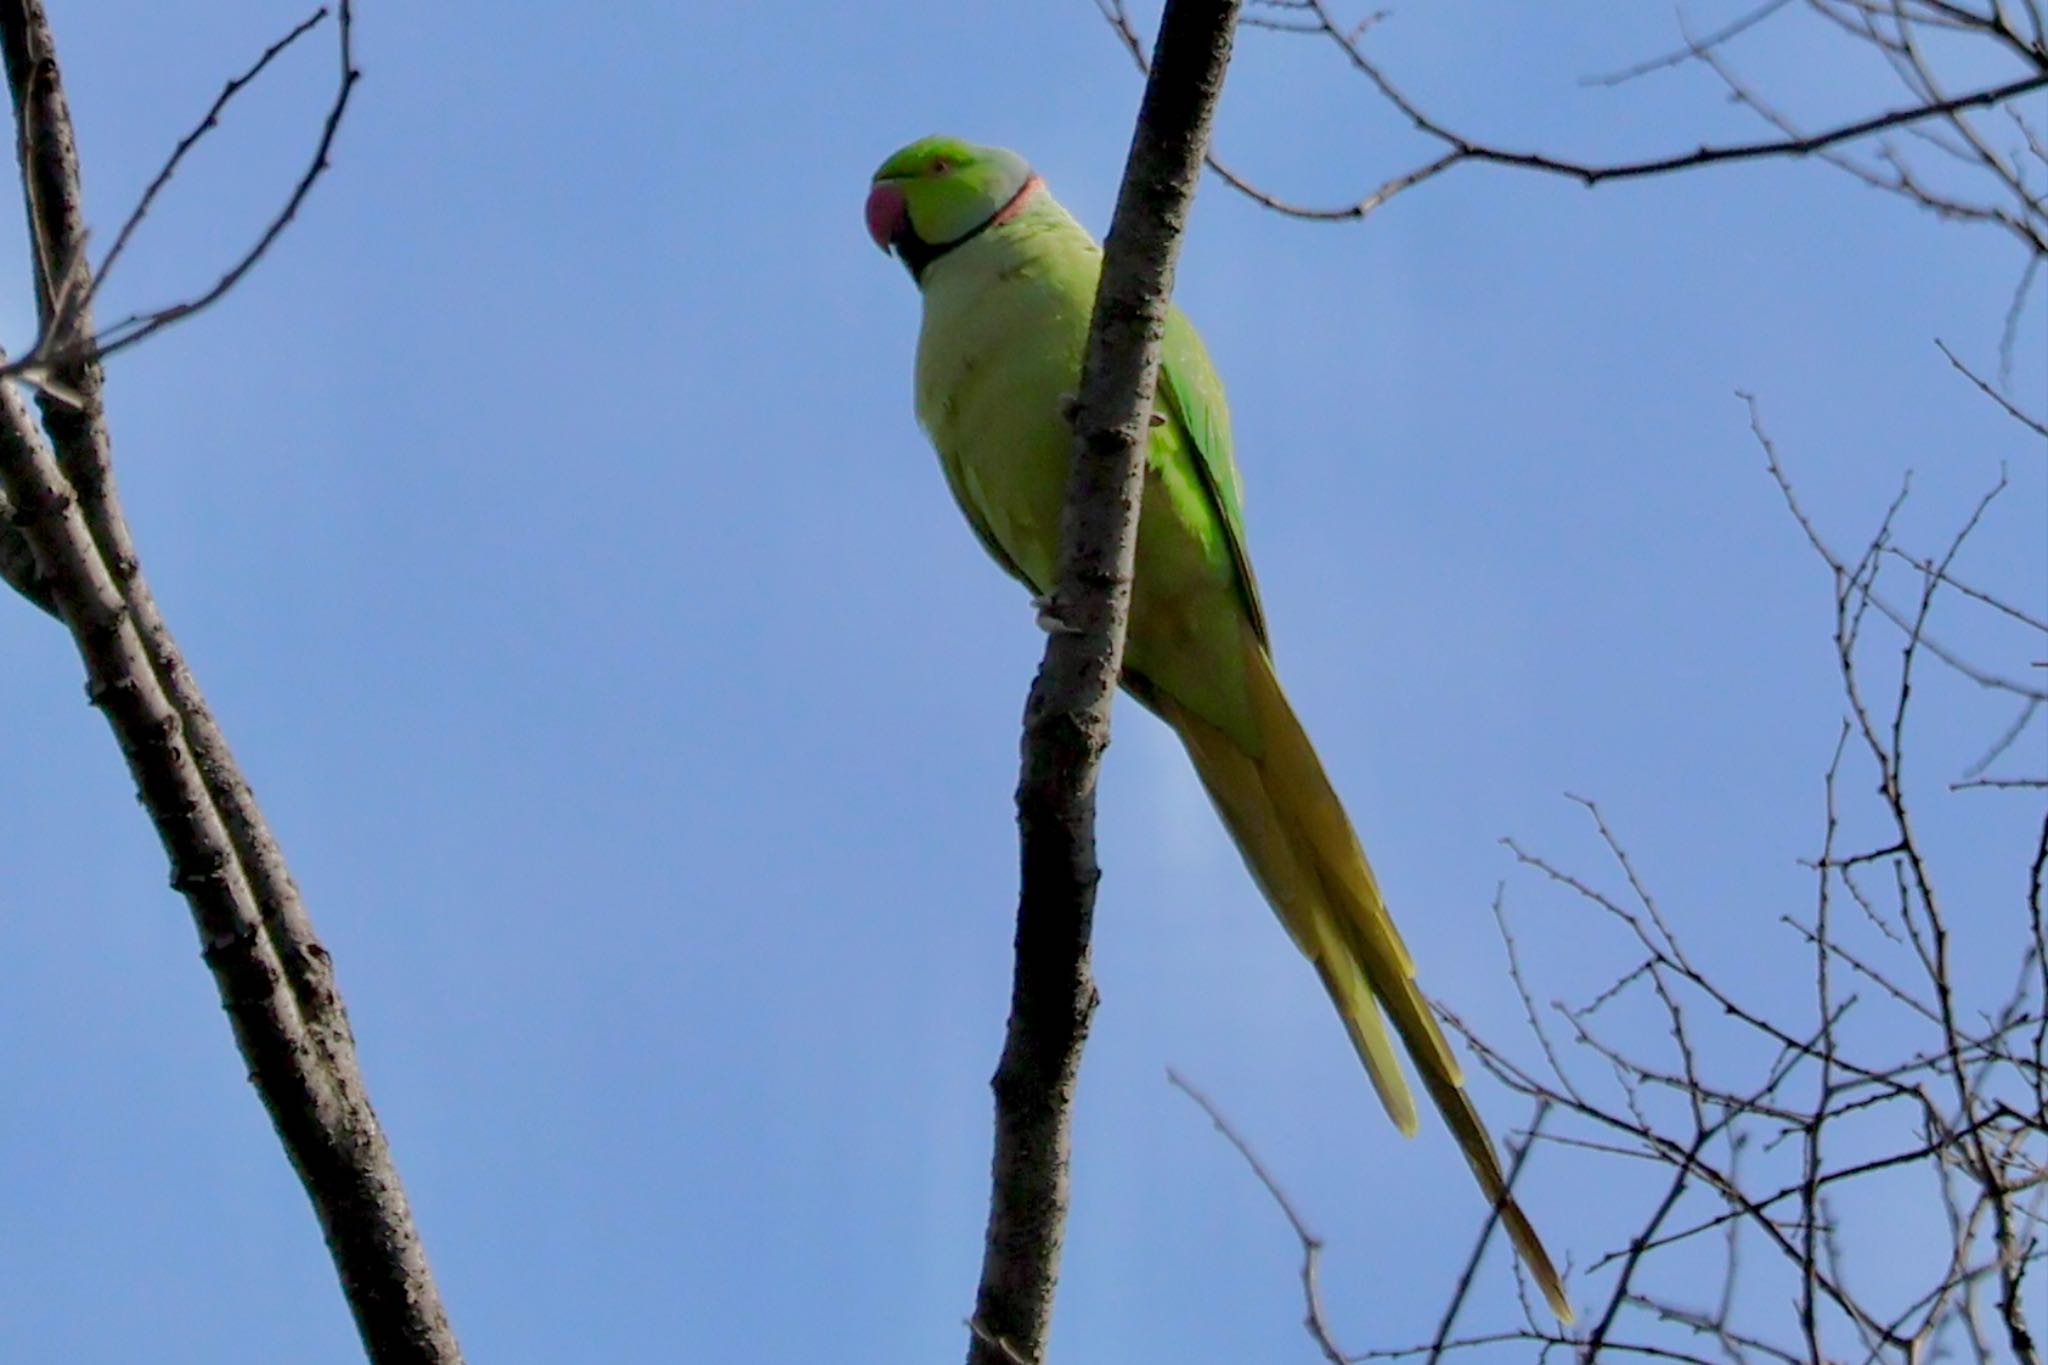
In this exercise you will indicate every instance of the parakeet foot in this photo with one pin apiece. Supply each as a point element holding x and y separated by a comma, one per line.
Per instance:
<point>1070,411</point>
<point>1049,619</point>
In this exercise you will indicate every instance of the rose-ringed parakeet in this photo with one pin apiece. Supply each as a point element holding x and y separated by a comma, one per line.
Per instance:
<point>1008,279</point>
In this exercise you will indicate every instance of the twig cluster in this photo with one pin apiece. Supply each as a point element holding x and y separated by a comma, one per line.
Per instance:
<point>1895,1119</point>
<point>1971,150</point>
<point>65,544</point>
<point>1762,1124</point>
<point>1832,1114</point>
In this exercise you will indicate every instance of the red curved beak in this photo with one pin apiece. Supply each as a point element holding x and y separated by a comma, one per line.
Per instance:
<point>886,212</point>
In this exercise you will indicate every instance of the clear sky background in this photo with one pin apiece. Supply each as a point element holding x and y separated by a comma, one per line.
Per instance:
<point>547,522</point>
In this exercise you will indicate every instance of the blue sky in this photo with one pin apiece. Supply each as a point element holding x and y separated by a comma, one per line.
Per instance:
<point>547,522</point>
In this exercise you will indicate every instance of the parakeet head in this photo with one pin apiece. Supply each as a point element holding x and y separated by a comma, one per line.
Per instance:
<point>938,192</point>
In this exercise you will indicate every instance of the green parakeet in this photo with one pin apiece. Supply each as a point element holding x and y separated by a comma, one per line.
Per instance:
<point>1008,278</point>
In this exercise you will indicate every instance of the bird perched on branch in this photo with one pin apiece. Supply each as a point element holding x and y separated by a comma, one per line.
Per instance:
<point>1008,278</point>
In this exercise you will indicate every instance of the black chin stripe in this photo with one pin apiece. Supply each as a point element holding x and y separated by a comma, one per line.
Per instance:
<point>917,254</point>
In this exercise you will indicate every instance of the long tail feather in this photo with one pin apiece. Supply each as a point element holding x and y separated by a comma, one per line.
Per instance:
<point>1300,847</point>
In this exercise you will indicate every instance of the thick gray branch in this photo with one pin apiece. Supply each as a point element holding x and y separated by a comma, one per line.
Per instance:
<point>1066,722</point>
<point>18,562</point>
<point>275,979</point>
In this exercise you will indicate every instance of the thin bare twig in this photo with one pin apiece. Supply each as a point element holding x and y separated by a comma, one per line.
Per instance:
<point>1930,114</point>
<point>1313,1320</point>
<point>67,343</point>
<point>234,86</point>
<point>2032,423</point>
<point>1692,50</point>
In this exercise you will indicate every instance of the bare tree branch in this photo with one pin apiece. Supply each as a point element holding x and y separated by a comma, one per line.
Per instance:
<point>18,569</point>
<point>1693,47</point>
<point>67,342</point>
<point>1461,1289</point>
<point>1593,173</point>
<point>62,362</point>
<point>234,86</point>
<point>2034,424</point>
<point>1313,1319</point>
<point>1964,1106</point>
<point>1815,1109</point>
<point>1889,27</point>
<point>1119,20</point>
<point>1066,720</point>
<point>275,979</point>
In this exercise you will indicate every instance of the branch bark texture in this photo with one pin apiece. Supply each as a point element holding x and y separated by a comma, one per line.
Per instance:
<point>1066,720</point>
<point>274,977</point>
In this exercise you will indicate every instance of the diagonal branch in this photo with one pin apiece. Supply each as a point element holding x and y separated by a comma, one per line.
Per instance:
<point>1066,720</point>
<point>318,1106</point>
<point>1592,173</point>
<point>275,978</point>
<point>2020,415</point>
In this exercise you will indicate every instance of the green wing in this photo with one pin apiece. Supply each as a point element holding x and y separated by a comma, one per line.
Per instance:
<point>970,506</point>
<point>1191,392</point>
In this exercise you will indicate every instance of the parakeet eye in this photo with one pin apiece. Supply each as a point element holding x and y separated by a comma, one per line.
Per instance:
<point>941,166</point>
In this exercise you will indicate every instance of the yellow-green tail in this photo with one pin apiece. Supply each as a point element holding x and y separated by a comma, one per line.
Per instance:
<point>1300,847</point>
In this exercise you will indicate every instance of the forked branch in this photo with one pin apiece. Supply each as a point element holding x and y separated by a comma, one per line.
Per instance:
<point>64,520</point>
